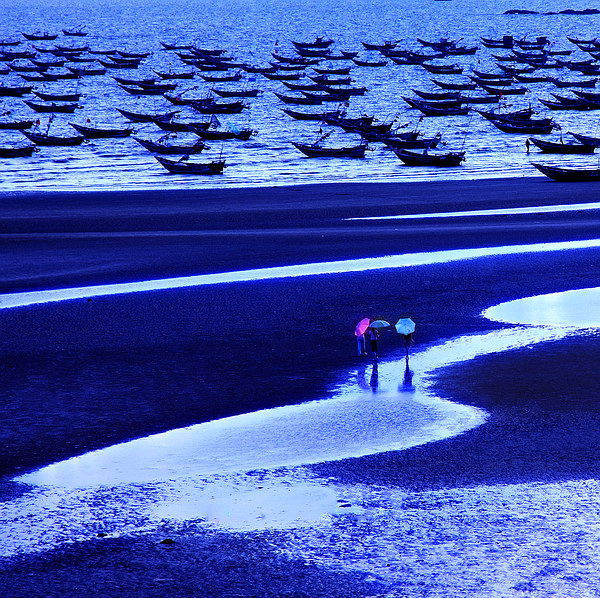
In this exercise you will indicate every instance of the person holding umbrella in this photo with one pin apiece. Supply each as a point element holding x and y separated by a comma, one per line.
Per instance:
<point>405,327</point>
<point>372,335</point>
<point>359,331</point>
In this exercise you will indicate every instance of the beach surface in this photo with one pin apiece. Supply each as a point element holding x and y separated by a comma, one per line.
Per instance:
<point>89,373</point>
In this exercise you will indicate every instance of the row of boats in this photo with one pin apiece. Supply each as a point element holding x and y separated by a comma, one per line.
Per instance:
<point>328,80</point>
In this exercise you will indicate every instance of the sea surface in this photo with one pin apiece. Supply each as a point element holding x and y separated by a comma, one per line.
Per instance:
<point>250,30</point>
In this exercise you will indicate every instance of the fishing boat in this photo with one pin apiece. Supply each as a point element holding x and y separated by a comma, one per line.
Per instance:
<point>318,42</point>
<point>316,150</point>
<point>568,173</point>
<point>560,147</point>
<point>424,158</point>
<point>524,127</point>
<point>50,140</point>
<point>67,107</point>
<point>16,125</point>
<point>175,74</point>
<point>164,145</point>
<point>58,97</point>
<point>14,90</point>
<point>236,93</point>
<point>75,32</point>
<point>210,106</point>
<point>39,36</point>
<point>17,152</point>
<point>221,134</point>
<point>595,141</point>
<point>310,115</point>
<point>101,132</point>
<point>144,117</point>
<point>373,63</point>
<point>182,166</point>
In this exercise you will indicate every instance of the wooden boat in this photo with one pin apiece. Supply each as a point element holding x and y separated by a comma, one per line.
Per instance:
<point>213,107</point>
<point>454,85</point>
<point>506,41</point>
<point>504,90</point>
<point>221,134</point>
<point>161,146</point>
<point>67,107</point>
<point>316,150</point>
<point>524,127</point>
<point>57,97</point>
<point>14,90</point>
<point>456,108</point>
<point>568,174</point>
<point>39,36</point>
<point>101,132</point>
<point>175,74</point>
<point>176,46</point>
<point>319,42</point>
<point>142,91</point>
<point>581,83</point>
<point>329,80</point>
<point>237,93</point>
<point>143,117</point>
<point>412,158</point>
<point>83,71</point>
<point>299,100</point>
<point>16,125</point>
<point>437,95</point>
<point>583,105</point>
<point>533,78</point>
<point>379,47</point>
<point>373,63</point>
<point>411,140</point>
<point>283,76</point>
<point>179,126</point>
<point>313,52</point>
<point>182,166</point>
<point>553,147</point>
<point>443,69</point>
<point>519,115</point>
<point>595,141</point>
<point>77,32</point>
<point>9,42</point>
<point>342,70</point>
<point>16,152</point>
<point>309,115</point>
<point>51,140</point>
<point>221,78</point>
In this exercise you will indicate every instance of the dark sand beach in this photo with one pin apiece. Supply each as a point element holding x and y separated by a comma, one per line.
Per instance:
<point>86,374</point>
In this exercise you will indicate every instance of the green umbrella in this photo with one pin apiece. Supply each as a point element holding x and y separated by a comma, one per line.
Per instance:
<point>405,326</point>
<point>379,324</point>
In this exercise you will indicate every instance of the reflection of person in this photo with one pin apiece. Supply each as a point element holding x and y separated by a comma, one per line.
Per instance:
<point>372,335</point>
<point>374,381</point>
<point>361,344</point>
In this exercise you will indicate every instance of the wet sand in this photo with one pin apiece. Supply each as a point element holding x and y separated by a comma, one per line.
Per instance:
<point>89,373</point>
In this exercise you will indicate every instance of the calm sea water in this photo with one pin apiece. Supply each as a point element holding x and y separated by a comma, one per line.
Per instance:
<point>249,30</point>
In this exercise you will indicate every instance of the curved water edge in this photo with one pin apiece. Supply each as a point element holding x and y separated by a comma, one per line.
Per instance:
<point>187,488</point>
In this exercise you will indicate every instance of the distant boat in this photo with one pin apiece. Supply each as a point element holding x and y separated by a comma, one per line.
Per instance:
<point>568,174</point>
<point>316,150</point>
<point>101,132</point>
<point>424,158</point>
<point>184,167</point>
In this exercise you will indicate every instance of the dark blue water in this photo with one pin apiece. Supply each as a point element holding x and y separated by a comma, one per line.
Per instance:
<point>249,30</point>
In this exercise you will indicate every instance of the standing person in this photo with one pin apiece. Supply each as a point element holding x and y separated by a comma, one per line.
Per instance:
<point>527,144</point>
<point>361,344</point>
<point>408,341</point>
<point>372,335</point>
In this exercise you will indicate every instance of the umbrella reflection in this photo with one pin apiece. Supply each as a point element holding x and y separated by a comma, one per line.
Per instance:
<point>407,380</point>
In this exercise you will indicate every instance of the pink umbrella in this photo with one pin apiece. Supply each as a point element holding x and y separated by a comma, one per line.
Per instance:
<point>362,326</point>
